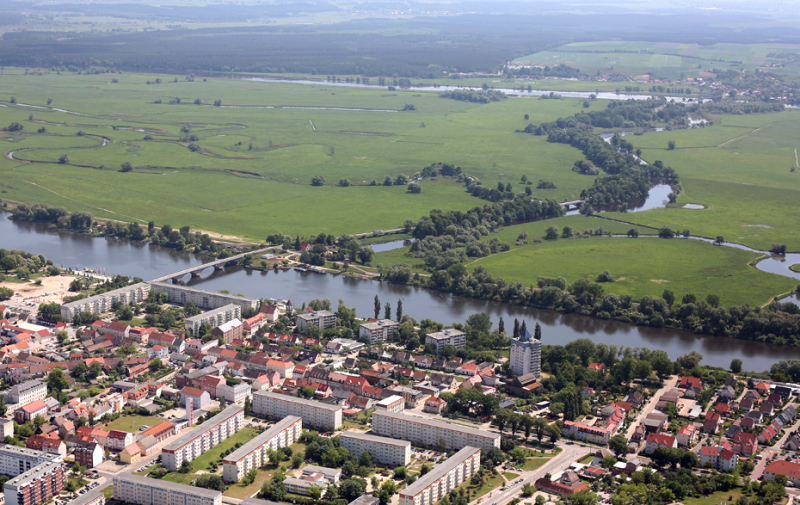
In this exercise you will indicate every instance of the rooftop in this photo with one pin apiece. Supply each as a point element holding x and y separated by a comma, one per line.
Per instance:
<point>257,442</point>
<point>171,486</point>
<point>373,438</point>
<point>206,426</point>
<point>34,473</point>
<point>294,399</point>
<point>438,424</point>
<point>438,471</point>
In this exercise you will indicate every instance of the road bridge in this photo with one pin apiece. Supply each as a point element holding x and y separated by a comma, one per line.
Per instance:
<point>216,264</point>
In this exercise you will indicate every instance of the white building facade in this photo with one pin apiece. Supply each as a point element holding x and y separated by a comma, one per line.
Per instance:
<point>278,406</point>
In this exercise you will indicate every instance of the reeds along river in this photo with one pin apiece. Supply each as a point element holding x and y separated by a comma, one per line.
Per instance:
<point>148,262</point>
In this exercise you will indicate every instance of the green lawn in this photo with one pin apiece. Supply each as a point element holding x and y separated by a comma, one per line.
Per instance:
<point>510,475</point>
<point>132,423</point>
<point>534,463</point>
<point>108,492</point>
<point>241,437</point>
<point>643,266</point>
<point>266,188</point>
<point>715,498</point>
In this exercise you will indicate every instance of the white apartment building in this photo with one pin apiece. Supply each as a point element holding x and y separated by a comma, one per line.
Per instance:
<point>213,318</point>
<point>526,355</point>
<point>321,319</point>
<point>6,428</point>
<point>27,392</point>
<point>17,460</point>
<point>449,336</point>
<point>278,406</point>
<point>198,440</point>
<point>139,490</point>
<point>394,404</point>
<point>378,331</point>
<point>235,394</point>
<point>101,303</point>
<point>388,451</point>
<point>37,485</point>
<point>253,454</point>
<point>430,433</point>
<point>434,485</point>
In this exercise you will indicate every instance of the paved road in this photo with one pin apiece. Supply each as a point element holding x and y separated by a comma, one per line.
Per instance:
<point>651,404</point>
<point>569,453</point>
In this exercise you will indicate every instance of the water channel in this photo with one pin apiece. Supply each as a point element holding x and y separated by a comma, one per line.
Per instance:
<point>148,262</point>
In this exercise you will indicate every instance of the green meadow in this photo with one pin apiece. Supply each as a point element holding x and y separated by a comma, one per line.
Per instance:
<point>643,266</point>
<point>250,171</point>
<point>740,170</point>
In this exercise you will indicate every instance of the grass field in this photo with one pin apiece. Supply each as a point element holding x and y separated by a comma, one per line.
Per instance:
<point>643,266</point>
<point>715,498</point>
<point>663,59</point>
<point>739,169</point>
<point>132,423</point>
<point>293,137</point>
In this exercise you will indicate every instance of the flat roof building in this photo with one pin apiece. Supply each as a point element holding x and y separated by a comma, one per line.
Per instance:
<point>278,406</point>
<point>449,336</point>
<point>253,454</point>
<point>321,319</point>
<point>17,460</point>
<point>202,298</point>
<point>434,485</point>
<point>378,331</point>
<point>213,317</point>
<point>430,433</point>
<point>36,485</point>
<point>101,303</point>
<point>198,440</point>
<point>387,451</point>
<point>27,392</point>
<point>139,490</point>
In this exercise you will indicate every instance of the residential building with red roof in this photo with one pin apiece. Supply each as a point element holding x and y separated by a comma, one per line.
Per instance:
<point>745,444</point>
<point>686,435</point>
<point>30,411</point>
<point>200,399</point>
<point>434,405</point>
<point>567,484</point>
<point>655,440</point>
<point>718,457</point>
<point>781,467</point>
<point>284,368</point>
<point>160,432</point>
<point>118,439</point>
<point>688,381</point>
<point>50,443</point>
<point>598,367</point>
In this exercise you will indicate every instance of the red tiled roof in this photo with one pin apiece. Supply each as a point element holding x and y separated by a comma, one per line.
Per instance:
<point>787,468</point>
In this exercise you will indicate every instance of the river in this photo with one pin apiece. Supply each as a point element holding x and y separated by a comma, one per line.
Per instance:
<point>148,262</point>
<point>602,95</point>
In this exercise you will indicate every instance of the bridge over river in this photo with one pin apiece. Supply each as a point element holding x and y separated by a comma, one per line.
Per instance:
<point>216,264</point>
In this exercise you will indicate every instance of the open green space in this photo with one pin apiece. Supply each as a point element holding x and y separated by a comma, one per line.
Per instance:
<point>643,266</point>
<point>740,169</point>
<point>533,464</point>
<point>132,423</point>
<point>715,498</point>
<point>240,437</point>
<point>664,59</point>
<point>108,492</point>
<point>261,148</point>
<point>265,474</point>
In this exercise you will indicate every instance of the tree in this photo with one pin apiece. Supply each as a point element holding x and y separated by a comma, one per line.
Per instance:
<point>318,180</point>
<point>126,166</point>
<point>736,365</point>
<point>344,183</point>
<point>528,489</point>
<point>668,297</point>
<point>670,145</point>
<point>63,159</point>
<point>377,306</point>
<point>387,311</point>
<point>350,489</point>
<point>778,249</point>
<point>399,312</point>
<point>618,445</point>
<point>551,233</point>
<point>314,492</point>
<point>719,240</point>
<point>666,232</point>
<point>633,233</point>
<point>414,188</point>
<point>186,466</point>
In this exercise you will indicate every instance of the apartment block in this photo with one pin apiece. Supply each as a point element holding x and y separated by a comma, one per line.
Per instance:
<point>434,485</point>
<point>378,331</point>
<point>526,355</point>
<point>101,303</point>
<point>278,406</point>
<point>321,319</point>
<point>387,451</point>
<point>138,490</point>
<point>17,460</point>
<point>36,485</point>
<point>253,454</point>
<point>449,336</point>
<point>430,433</point>
<point>213,318</point>
<point>202,298</point>
<point>198,440</point>
<point>27,392</point>
<point>234,394</point>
